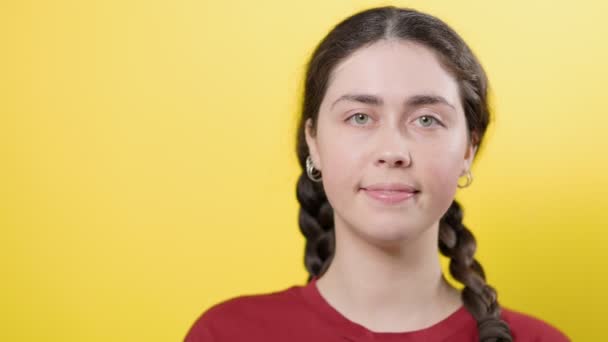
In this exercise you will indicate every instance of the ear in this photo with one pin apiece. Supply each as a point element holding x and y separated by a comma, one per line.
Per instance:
<point>469,156</point>
<point>311,141</point>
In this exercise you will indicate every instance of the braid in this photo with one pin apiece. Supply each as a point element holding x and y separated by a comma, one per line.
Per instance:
<point>316,222</point>
<point>480,299</point>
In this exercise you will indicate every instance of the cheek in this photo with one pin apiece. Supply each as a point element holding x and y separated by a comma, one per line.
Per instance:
<point>441,170</point>
<point>340,162</point>
<point>441,178</point>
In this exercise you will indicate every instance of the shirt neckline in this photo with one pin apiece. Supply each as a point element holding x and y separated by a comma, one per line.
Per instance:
<point>352,330</point>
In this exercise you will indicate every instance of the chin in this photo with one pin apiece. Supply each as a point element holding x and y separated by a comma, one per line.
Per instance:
<point>391,237</point>
<point>393,233</point>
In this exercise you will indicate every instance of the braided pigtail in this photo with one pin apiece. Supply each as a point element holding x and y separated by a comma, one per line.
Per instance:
<point>316,222</point>
<point>480,299</point>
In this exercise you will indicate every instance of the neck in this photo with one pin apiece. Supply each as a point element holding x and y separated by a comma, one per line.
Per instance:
<point>397,288</point>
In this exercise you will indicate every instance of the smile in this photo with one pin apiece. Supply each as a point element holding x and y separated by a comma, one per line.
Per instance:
<point>390,196</point>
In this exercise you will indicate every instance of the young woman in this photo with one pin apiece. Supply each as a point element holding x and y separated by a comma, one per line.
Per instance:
<point>394,112</point>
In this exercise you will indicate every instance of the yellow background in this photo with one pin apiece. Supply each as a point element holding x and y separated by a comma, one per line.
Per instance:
<point>148,164</point>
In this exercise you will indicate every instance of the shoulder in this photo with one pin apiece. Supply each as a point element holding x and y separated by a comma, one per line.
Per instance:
<point>241,317</point>
<point>526,327</point>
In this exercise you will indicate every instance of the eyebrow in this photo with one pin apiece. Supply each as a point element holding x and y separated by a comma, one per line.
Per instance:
<point>413,101</point>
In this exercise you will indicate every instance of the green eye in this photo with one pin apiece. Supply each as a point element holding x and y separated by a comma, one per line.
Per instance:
<point>360,118</point>
<point>426,120</point>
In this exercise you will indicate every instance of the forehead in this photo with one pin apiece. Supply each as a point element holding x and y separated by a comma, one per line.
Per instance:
<point>392,69</point>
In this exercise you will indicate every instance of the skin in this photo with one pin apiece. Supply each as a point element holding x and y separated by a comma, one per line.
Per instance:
<point>392,248</point>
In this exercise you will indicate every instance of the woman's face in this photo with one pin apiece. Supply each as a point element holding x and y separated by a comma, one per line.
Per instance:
<point>391,116</point>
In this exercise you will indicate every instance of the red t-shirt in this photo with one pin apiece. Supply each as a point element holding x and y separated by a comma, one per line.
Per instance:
<point>301,314</point>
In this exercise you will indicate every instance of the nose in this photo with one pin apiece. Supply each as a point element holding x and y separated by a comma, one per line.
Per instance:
<point>394,151</point>
<point>394,159</point>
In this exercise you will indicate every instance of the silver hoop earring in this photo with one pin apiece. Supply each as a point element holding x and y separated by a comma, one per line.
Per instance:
<point>313,174</point>
<point>469,180</point>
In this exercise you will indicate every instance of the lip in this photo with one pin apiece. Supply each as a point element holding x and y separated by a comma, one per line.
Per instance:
<point>390,193</point>
<point>390,187</point>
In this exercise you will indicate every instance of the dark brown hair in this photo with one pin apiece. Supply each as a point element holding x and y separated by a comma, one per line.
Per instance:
<point>455,240</point>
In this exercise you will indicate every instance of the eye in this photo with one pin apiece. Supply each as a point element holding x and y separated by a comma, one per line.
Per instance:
<point>427,120</point>
<point>359,118</point>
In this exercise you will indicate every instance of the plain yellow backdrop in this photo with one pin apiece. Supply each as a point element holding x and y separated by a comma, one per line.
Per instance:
<point>148,159</point>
